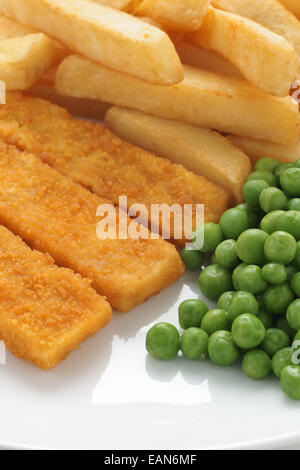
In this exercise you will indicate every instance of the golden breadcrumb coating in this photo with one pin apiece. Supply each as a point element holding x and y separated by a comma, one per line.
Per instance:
<point>45,311</point>
<point>94,157</point>
<point>55,215</point>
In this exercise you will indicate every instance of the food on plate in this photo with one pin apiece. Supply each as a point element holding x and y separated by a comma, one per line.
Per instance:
<point>266,59</point>
<point>269,13</point>
<point>11,29</point>
<point>127,43</point>
<point>257,149</point>
<point>262,313</point>
<point>292,5</point>
<point>55,215</point>
<point>175,15</point>
<point>24,60</point>
<point>110,167</point>
<point>162,341</point>
<point>200,150</point>
<point>203,98</point>
<point>205,59</point>
<point>45,311</point>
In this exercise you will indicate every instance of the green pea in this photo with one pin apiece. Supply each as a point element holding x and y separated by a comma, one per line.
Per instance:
<point>214,281</point>
<point>242,302</point>
<point>269,222</point>
<point>290,222</point>
<point>192,259</point>
<point>278,298</point>
<point>293,315</point>
<point>260,299</point>
<point>263,175</point>
<point>226,254</point>
<point>248,331</point>
<point>221,349</point>
<point>253,219</point>
<point>295,284</point>
<point>163,341</point>
<point>236,274</point>
<point>250,246</point>
<point>266,318</point>
<point>272,199</point>
<point>281,168</point>
<point>274,273</point>
<point>233,222</point>
<point>290,381</point>
<point>252,190</point>
<point>251,279</point>
<point>290,181</point>
<point>290,271</point>
<point>293,204</point>
<point>274,340</point>
<point>194,343</point>
<point>212,236</point>
<point>280,247</point>
<point>256,364</point>
<point>283,325</point>
<point>224,301</point>
<point>267,164</point>
<point>215,320</point>
<point>191,312</point>
<point>281,359</point>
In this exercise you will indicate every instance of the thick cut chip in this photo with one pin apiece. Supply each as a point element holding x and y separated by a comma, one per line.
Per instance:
<point>57,216</point>
<point>257,149</point>
<point>100,161</point>
<point>266,59</point>
<point>205,59</point>
<point>45,311</point>
<point>201,150</point>
<point>206,99</point>
<point>114,38</point>
<point>12,29</point>
<point>23,60</point>
<point>269,13</point>
<point>124,5</point>
<point>176,15</point>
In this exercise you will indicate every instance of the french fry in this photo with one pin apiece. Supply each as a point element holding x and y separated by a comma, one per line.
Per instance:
<point>257,149</point>
<point>205,59</point>
<point>116,39</point>
<point>12,29</point>
<point>292,5</point>
<point>268,13</point>
<point>175,15</point>
<point>206,99</point>
<point>266,59</point>
<point>24,60</point>
<point>202,151</point>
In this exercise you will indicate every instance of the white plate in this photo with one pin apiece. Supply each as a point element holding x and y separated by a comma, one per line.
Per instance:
<point>110,394</point>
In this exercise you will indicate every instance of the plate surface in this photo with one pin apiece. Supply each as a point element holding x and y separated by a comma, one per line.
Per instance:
<point>110,394</point>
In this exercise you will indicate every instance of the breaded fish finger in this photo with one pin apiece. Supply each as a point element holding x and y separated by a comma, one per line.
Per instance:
<point>55,215</point>
<point>99,160</point>
<point>45,311</point>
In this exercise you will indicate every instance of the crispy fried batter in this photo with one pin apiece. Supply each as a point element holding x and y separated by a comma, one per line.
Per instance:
<point>55,215</point>
<point>45,311</point>
<point>97,159</point>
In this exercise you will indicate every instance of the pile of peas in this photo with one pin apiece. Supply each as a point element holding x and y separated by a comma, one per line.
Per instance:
<point>254,275</point>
